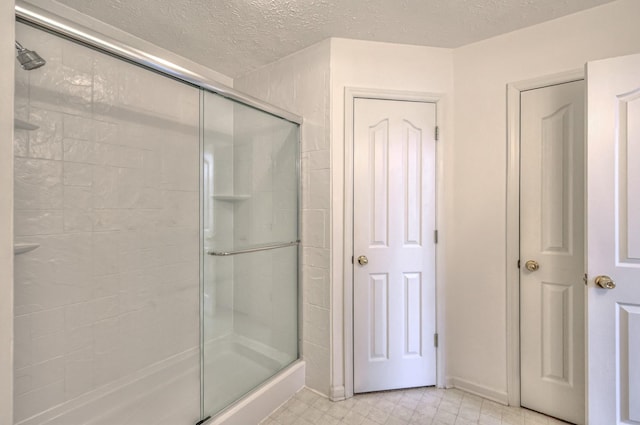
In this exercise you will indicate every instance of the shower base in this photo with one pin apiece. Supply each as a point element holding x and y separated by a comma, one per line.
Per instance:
<point>232,367</point>
<point>168,393</point>
<point>261,402</point>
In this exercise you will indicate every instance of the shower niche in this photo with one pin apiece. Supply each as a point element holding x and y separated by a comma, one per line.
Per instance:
<point>156,240</point>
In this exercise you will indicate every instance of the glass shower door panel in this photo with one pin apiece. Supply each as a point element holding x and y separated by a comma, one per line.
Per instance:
<point>106,189</point>
<point>263,337</point>
<point>250,233</point>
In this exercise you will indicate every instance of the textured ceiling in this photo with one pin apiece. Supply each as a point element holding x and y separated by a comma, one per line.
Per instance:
<point>236,36</point>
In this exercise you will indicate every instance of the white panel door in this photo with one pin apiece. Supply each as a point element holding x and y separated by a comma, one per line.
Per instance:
<point>613,315</point>
<point>394,223</point>
<point>552,191</point>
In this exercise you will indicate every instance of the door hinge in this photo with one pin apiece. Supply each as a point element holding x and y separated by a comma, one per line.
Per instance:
<point>435,236</point>
<point>518,263</point>
<point>435,340</point>
<point>437,133</point>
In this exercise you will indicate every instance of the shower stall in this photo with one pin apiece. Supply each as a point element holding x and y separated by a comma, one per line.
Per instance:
<point>156,236</point>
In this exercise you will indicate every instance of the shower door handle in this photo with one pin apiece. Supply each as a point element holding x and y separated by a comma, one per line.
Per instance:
<point>254,249</point>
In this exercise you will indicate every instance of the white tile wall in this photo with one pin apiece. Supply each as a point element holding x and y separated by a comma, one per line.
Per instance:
<point>300,83</point>
<point>108,186</point>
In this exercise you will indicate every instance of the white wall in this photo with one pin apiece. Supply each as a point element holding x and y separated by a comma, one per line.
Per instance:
<point>384,66</point>
<point>7,51</point>
<point>300,84</point>
<point>476,283</point>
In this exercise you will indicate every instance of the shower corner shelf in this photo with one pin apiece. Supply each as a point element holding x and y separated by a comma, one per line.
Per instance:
<point>231,198</point>
<point>22,248</point>
<point>24,125</point>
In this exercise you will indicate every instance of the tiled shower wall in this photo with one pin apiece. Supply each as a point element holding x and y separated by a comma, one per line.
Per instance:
<point>108,187</point>
<point>300,83</point>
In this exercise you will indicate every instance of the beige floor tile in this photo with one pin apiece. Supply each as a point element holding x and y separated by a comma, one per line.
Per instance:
<point>415,406</point>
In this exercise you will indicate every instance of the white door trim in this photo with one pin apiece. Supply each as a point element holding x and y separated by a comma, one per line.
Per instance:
<point>513,220</point>
<point>351,93</point>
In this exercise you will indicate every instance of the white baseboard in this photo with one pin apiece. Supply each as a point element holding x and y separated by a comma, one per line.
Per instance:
<point>476,389</point>
<point>261,403</point>
<point>337,393</point>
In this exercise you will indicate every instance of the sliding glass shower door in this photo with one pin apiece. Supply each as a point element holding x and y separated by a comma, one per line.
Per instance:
<point>106,240</point>
<point>156,237</point>
<point>250,248</point>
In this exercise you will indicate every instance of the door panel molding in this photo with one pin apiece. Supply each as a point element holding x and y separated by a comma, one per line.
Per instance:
<point>557,347</point>
<point>627,330</point>
<point>379,163</point>
<point>513,219</point>
<point>628,244</point>
<point>557,188</point>
<point>345,356</point>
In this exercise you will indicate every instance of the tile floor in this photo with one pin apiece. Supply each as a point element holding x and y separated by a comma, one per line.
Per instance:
<point>424,406</point>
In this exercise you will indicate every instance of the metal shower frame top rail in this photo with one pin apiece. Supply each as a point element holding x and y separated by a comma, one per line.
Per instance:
<point>34,15</point>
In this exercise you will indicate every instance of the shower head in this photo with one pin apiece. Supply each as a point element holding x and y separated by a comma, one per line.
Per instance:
<point>28,58</point>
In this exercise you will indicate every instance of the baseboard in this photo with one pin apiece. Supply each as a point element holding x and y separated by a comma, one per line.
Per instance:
<point>480,390</point>
<point>448,382</point>
<point>337,393</point>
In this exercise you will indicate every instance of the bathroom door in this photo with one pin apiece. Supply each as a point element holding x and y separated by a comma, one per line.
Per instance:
<point>552,254</point>
<point>613,315</point>
<point>394,248</point>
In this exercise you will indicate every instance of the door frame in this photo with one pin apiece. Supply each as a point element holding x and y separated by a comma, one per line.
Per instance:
<point>352,93</point>
<point>513,219</point>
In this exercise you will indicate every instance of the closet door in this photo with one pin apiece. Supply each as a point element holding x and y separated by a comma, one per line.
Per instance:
<point>552,215</point>
<point>394,246</point>
<point>613,318</point>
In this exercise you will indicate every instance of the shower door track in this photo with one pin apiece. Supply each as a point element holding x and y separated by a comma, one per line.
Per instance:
<point>255,249</point>
<point>38,17</point>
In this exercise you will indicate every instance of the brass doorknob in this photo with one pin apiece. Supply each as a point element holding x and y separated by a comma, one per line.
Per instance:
<point>363,260</point>
<point>605,282</point>
<point>532,265</point>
